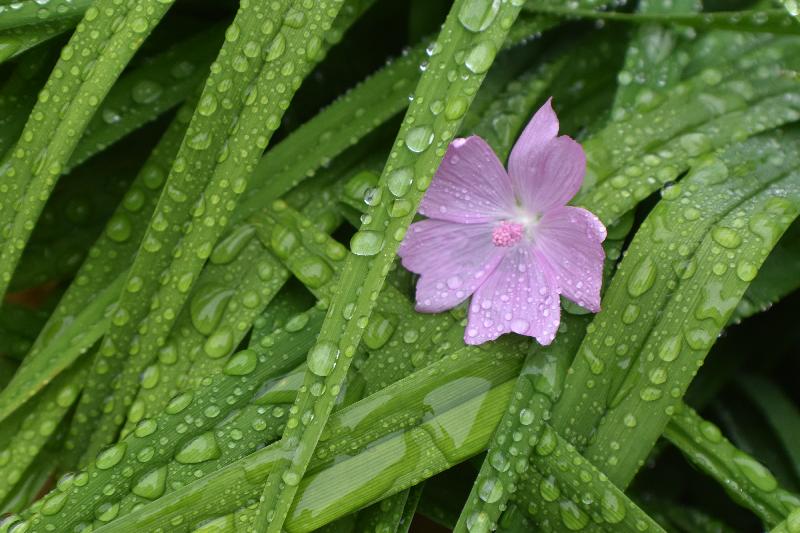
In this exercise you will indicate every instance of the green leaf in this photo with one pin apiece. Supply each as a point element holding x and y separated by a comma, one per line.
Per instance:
<point>746,480</point>
<point>761,20</point>
<point>779,411</point>
<point>778,277</point>
<point>35,13</point>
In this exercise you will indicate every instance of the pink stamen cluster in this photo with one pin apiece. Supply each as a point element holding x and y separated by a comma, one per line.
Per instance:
<point>507,233</point>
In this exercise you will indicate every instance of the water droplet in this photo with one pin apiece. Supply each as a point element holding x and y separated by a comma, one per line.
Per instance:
<point>548,489</point>
<point>399,181</point>
<point>207,105</point>
<point>491,490</point>
<point>119,227</point>
<point>696,143</point>
<point>479,523</point>
<point>480,58</point>
<point>547,443</point>
<point>110,456</point>
<point>418,139</point>
<point>378,331</point>
<point>456,107</point>
<point>726,237</point>
<point>612,508</point>
<point>312,272</point>
<point>152,484</point>
<point>526,417</point>
<point>290,478</point>
<point>107,511</point>
<point>284,241</point>
<point>145,428</point>
<point>366,242</point>
<point>178,403</point>
<point>642,278</point>
<point>711,432</point>
<point>219,344</point>
<point>146,92</point>
<point>477,15</point>
<point>596,365</point>
<point>242,363</point>
<point>228,248</point>
<point>277,47</point>
<point>746,271</point>
<point>630,314</point>
<point>670,349</point>
<point>139,25</point>
<point>755,472</point>
<point>572,516</point>
<point>54,503</point>
<point>199,449</point>
<point>650,394</point>
<point>322,358</point>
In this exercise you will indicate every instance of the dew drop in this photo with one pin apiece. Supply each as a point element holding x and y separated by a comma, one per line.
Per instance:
<point>491,490</point>
<point>366,242</point>
<point>242,363</point>
<point>322,358</point>
<point>110,456</point>
<point>480,58</point>
<point>419,138</point>
<point>219,344</point>
<point>642,278</point>
<point>477,15</point>
<point>119,227</point>
<point>200,449</point>
<point>399,181</point>
<point>755,472</point>
<point>146,92</point>
<point>152,484</point>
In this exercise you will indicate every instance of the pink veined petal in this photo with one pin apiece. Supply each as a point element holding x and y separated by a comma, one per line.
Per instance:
<point>452,259</point>
<point>470,186</point>
<point>569,239</point>
<point>541,129</point>
<point>519,296</point>
<point>556,176</point>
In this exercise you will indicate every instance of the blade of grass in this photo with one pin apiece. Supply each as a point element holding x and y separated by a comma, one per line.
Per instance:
<point>757,20</point>
<point>747,481</point>
<point>779,411</point>
<point>34,13</point>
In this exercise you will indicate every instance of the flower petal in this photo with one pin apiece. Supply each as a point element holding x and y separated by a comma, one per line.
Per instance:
<point>569,239</point>
<point>547,171</point>
<point>556,178</point>
<point>452,259</point>
<point>470,186</point>
<point>541,129</point>
<point>519,296</point>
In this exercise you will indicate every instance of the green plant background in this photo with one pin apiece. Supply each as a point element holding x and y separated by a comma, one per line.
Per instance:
<point>205,327</point>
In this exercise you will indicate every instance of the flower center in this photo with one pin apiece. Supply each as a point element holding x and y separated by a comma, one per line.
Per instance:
<point>507,233</point>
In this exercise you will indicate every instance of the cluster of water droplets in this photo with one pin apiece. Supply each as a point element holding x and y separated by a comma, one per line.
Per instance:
<point>65,105</point>
<point>701,240</point>
<point>198,432</point>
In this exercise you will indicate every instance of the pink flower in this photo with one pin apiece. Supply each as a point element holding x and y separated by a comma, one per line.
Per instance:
<point>508,238</point>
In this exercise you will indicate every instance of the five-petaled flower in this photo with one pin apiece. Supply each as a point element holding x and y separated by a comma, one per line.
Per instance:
<point>508,238</point>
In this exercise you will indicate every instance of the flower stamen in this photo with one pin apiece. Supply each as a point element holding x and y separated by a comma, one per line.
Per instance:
<point>507,233</point>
